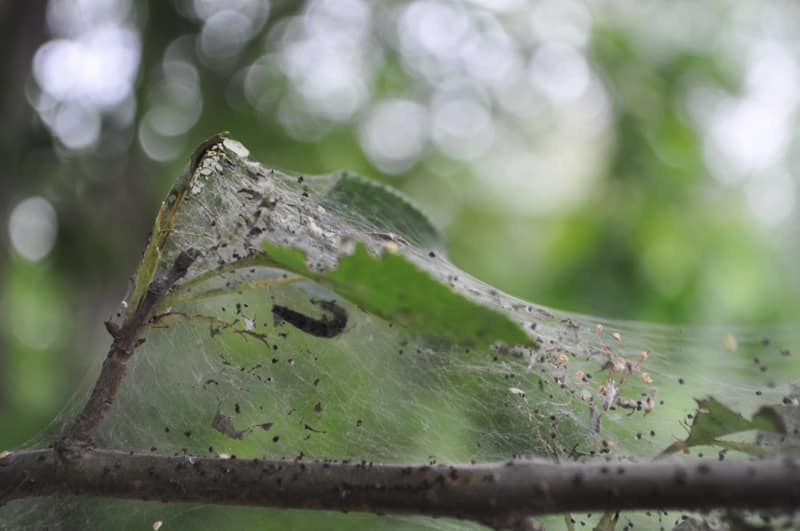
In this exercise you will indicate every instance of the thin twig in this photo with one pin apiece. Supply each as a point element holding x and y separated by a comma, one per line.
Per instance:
<point>126,339</point>
<point>174,298</point>
<point>250,261</point>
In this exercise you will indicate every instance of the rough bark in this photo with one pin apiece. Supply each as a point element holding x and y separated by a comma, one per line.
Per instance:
<point>494,494</point>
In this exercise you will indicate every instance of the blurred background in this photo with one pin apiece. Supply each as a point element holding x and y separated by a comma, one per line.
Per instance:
<point>634,160</point>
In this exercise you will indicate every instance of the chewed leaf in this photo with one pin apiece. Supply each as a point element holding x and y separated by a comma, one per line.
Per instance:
<point>714,419</point>
<point>393,288</point>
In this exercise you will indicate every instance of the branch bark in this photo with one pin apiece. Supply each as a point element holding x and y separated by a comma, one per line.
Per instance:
<point>489,494</point>
<point>126,339</point>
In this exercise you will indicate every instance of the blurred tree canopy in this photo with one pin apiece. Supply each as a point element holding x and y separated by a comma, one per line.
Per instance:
<point>633,160</point>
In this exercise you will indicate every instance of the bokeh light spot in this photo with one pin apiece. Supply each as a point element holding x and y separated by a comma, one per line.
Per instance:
<point>772,197</point>
<point>559,71</point>
<point>394,134</point>
<point>33,226</point>
<point>462,128</point>
<point>96,69</point>
<point>76,126</point>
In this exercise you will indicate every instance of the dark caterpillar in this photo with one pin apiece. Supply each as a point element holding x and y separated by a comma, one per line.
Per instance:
<point>325,327</point>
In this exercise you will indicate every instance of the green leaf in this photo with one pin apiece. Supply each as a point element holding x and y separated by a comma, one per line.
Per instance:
<point>714,419</point>
<point>375,207</point>
<point>393,288</point>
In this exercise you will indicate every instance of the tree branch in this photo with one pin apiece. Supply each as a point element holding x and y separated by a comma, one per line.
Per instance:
<point>126,339</point>
<point>489,493</point>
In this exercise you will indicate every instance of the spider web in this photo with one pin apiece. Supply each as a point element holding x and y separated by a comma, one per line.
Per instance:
<point>218,375</point>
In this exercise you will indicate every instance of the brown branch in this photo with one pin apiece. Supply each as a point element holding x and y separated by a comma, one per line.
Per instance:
<point>126,339</point>
<point>494,494</point>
